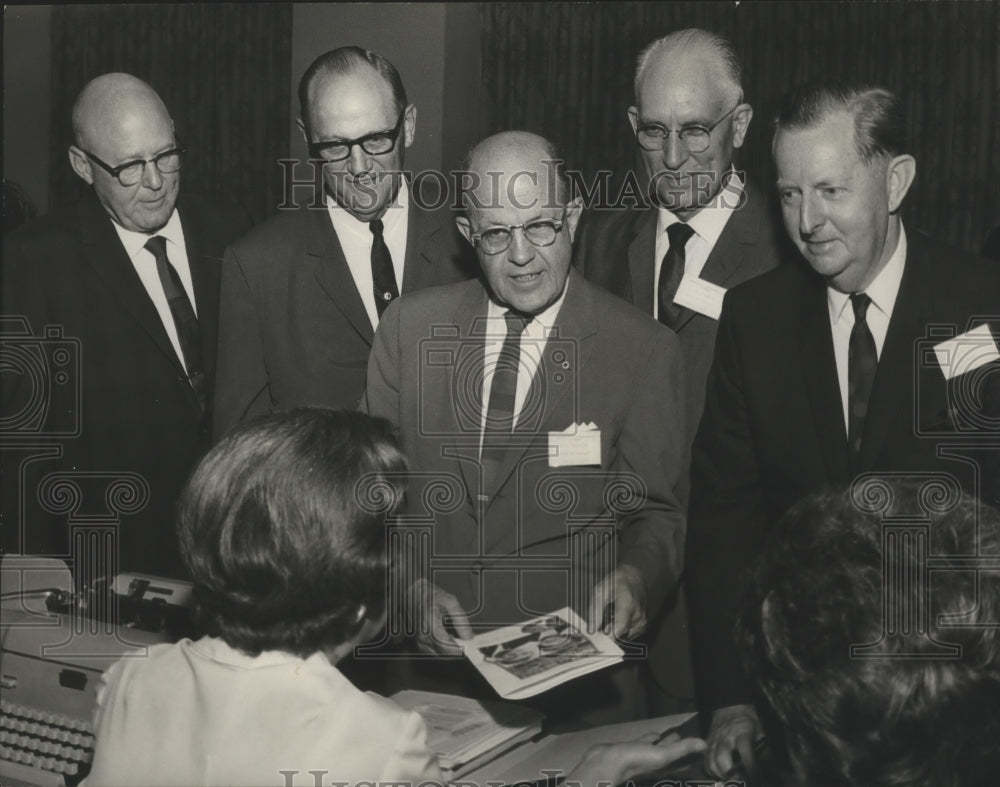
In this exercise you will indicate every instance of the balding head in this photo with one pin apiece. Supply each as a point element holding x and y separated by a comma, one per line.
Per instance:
<point>511,163</point>
<point>688,84</point>
<point>693,49</point>
<point>517,182</point>
<point>119,119</point>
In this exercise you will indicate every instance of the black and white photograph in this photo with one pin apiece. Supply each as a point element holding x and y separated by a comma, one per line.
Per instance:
<point>360,359</point>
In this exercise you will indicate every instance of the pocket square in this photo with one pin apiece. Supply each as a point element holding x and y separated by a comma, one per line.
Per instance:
<point>966,352</point>
<point>577,444</point>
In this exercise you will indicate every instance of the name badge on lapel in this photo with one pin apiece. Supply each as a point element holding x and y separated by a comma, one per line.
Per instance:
<point>966,352</point>
<point>577,444</point>
<point>700,296</point>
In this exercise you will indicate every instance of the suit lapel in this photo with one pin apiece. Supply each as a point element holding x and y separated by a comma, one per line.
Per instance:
<point>726,257</point>
<point>549,405</point>
<point>894,382</point>
<point>640,260</point>
<point>102,249</point>
<point>332,273</point>
<point>204,250</point>
<point>421,238</point>
<point>819,370</point>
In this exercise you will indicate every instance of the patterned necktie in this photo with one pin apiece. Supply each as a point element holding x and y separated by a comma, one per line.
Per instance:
<point>500,412</point>
<point>383,275</point>
<point>671,272</point>
<point>185,320</point>
<point>862,360</point>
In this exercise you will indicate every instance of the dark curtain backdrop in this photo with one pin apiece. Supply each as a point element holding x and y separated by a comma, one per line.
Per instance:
<point>223,71</point>
<point>565,70</point>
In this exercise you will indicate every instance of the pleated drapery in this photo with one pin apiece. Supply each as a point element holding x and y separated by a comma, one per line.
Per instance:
<point>223,71</point>
<point>565,70</point>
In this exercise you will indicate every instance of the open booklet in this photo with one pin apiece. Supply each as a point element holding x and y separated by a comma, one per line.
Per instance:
<point>466,733</point>
<point>532,657</point>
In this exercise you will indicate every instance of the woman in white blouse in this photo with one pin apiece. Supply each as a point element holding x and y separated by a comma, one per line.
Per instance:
<point>287,554</point>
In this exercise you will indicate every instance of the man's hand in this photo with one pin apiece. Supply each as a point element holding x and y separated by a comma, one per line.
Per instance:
<point>733,729</point>
<point>428,608</point>
<point>614,763</point>
<point>618,604</point>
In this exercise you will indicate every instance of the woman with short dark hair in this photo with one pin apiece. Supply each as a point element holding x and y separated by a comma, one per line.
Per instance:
<point>282,528</point>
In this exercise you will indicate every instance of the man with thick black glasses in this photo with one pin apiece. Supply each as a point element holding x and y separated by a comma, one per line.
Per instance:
<point>706,229</point>
<point>120,293</point>
<point>303,294</point>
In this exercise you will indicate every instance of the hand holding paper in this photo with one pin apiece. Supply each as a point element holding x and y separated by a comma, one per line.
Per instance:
<point>429,607</point>
<point>618,604</point>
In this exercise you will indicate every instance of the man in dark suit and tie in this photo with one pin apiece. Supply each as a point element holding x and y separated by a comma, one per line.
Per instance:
<point>879,356</point>
<point>303,293</point>
<point>551,411</point>
<point>708,229</point>
<point>117,299</point>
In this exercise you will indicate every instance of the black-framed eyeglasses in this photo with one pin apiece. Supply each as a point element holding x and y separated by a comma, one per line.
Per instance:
<point>540,232</point>
<point>130,173</point>
<point>695,138</point>
<point>373,144</point>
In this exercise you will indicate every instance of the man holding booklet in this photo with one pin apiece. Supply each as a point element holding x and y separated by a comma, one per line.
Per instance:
<point>542,420</point>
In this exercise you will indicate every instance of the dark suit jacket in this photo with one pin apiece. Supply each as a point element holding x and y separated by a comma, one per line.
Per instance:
<point>616,250</point>
<point>773,429</point>
<point>293,330</point>
<point>119,402</point>
<point>608,364</point>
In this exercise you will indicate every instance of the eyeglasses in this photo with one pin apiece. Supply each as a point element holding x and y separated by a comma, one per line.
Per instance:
<point>540,232</point>
<point>130,173</point>
<point>694,138</point>
<point>373,144</point>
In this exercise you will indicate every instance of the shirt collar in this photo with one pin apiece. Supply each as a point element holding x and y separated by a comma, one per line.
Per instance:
<point>134,242</point>
<point>710,220</point>
<point>392,218</point>
<point>546,318</point>
<point>883,289</point>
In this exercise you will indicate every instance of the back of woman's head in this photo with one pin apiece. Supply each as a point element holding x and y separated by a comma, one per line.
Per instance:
<point>282,527</point>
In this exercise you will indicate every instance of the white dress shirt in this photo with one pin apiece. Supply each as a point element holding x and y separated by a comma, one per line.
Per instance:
<point>708,224</point>
<point>145,265</point>
<point>533,340</point>
<point>356,240</point>
<point>883,291</point>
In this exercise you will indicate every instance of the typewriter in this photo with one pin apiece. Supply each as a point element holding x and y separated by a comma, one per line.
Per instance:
<point>56,643</point>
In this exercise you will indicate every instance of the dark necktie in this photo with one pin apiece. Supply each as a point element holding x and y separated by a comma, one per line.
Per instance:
<point>671,272</point>
<point>862,360</point>
<point>185,320</point>
<point>500,412</point>
<point>383,275</point>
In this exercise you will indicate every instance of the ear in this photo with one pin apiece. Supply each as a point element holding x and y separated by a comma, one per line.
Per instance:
<point>302,129</point>
<point>899,176</point>
<point>409,125</point>
<point>633,118</point>
<point>81,164</point>
<point>741,122</point>
<point>465,227</point>
<point>574,209</point>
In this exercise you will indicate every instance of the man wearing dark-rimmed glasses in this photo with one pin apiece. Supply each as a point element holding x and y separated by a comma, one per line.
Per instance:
<point>127,280</point>
<point>706,229</point>
<point>532,395</point>
<point>302,295</point>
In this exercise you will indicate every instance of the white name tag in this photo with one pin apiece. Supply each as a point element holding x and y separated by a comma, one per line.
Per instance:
<point>967,352</point>
<point>577,444</point>
<point>700,296</point>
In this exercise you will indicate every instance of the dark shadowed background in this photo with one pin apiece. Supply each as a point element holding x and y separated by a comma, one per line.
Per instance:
<point>228,73</point>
